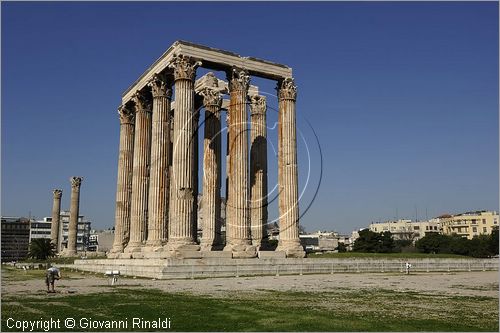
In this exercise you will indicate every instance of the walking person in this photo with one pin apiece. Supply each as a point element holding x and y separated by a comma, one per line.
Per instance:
<point>408,266</point>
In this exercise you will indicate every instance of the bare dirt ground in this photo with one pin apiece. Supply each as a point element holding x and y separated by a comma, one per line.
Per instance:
<point>452,284</point>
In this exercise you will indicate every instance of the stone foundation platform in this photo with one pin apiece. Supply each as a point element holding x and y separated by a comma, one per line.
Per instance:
<point>175,268</point>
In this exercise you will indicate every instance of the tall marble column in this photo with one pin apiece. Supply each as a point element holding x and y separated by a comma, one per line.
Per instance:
<point>212,101</point>
<point>73,215</point>
<point>182,187</point>
<point>238,224</point>
<point>124,181</point>
<point>258,171</point>
<point>289,241</point>
<point>56,216</point>
<point>140,177</point>
<point>160,153</point>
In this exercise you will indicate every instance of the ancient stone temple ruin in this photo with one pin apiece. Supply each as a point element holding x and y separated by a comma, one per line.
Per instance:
<point>157,187</point>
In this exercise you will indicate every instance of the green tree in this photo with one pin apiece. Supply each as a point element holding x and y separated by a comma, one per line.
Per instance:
<point>493,247</point>
<point>479,246</point>
<point>372,242</point>
<point>433,243</point>
<point>41,248</point>
<point>341,248</point>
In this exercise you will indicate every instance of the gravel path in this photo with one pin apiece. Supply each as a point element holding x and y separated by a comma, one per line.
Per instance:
<point>462,283</point>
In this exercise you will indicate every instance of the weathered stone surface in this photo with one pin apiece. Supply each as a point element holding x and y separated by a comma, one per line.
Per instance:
<point>158,200</point>
<point>287,170</point>
<point>258,171</point>
<point>56,213</point>
<point>223,58</point>
<point>216,254</point>
<point>124,181</point>
<point>140,177</point>
<point>238,221</point>
<point>271,254</point>
<point>182,187</point>
<point>211,166</point>
<point>73,215</point>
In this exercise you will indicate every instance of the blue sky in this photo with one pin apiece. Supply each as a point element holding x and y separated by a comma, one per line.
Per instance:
<point>403,98</point>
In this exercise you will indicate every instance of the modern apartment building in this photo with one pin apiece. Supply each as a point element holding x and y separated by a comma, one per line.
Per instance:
<point>407,229</point>
<point>469,224</point>
<point>15,238</point>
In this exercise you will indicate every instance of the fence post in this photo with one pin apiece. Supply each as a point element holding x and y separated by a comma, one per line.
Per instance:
<point>469,265</point>
<point>237,275</point>
<point>192,271</point>
<point>484,266</point>
<point>427,267</point>
<point>382,267</point>
<point>331,270</point>
<point>300,269</point>
<point>357,267</point>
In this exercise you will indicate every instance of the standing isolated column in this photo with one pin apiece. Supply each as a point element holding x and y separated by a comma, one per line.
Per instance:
<point>160,152</point>
<point>238,223</point>
<point>140,177</point>
<point>289,241</point>
<point>73,215</point>
<point>212,100</point>
<point>124,181</point>
<point>181,234</point>
<point>56,216</point>
<point>258,171</point>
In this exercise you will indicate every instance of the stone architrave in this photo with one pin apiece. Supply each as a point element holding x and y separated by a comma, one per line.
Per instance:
<point>140,177</point>
<point>160,153</point>
<point>258,171</point>
<point>238,222</point>
<point>181,235</point>
<point>124,181</point>
<point>212,100</point>
<point>73,215</point>
<point>289,241</point>
<point>56,216</point>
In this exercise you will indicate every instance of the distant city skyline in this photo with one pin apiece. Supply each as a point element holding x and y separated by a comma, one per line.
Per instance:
<point>401,97</point>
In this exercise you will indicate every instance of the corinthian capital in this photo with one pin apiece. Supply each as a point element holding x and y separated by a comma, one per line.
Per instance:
<point>211,97</point>
<point>76,182</point>
<point>257,104</point>
<point>184,67</point>
<point>126,115</point>
<point>57,194</point>
<point>159,86</point>
<point>287,89</point>
<point>238,80</point>
<point>142,103</point>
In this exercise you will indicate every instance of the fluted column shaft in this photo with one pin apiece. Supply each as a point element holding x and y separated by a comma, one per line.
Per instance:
<point>160,153</point>
<point>258,169</point>
<point>56,216</point>
<point>287,173</point>
<point>73,215</point>
<point>238,222</point>
<point>124,181</point>
<point>181,231</point>
<point>140,177</point>
<point>211,170</point>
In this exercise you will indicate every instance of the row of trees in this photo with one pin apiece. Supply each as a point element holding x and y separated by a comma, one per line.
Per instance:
<point>480,246</point>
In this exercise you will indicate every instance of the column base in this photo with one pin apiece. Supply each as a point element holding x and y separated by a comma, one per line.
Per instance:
<point>210,246</point>
<point>242,250</point>
<point>292,249</point>
<point>113,255</point>
<point>183,249</point>
<point>133,247</point>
